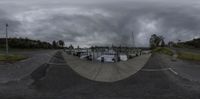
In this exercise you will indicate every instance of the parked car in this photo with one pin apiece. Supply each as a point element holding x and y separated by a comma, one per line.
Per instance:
<point>123,57</point>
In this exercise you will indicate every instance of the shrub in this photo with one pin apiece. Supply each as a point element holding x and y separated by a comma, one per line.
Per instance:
<point>163,50</point>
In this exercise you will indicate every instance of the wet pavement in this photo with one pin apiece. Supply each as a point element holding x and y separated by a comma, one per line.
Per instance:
<point>58,81</point>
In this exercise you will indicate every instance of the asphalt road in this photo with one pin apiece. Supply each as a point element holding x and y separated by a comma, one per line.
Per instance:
<point>63,81</point>
<point>18,70</point>
<point>185,68</point>
<point>57,80</point>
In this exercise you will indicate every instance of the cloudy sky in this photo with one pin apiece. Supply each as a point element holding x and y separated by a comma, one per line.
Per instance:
<point>101,22</point>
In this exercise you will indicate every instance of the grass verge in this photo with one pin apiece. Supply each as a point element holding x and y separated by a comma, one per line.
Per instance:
<point>11,58</point>
<point>189,56</point>
<point>163,50</point>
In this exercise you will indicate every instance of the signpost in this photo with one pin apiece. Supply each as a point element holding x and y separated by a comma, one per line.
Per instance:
<point>6,39</point>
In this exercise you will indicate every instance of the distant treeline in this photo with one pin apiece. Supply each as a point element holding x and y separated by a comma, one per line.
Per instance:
<point>29,43</point>
<point>193,43</point>
<point>119,47</point>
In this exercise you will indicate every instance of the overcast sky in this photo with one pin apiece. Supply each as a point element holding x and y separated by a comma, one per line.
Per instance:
<point>101,22</point>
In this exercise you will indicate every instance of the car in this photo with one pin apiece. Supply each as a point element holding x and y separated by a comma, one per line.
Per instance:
<point>108,58</point>
<point>123,57</point>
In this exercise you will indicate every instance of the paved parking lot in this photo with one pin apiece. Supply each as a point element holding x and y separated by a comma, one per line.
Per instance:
<point>59,81</point>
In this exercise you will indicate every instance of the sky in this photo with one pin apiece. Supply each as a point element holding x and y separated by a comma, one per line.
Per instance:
<point>101,22</point>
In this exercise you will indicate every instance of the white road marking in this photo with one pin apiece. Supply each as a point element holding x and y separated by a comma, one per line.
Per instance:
<point>57,63</point>
<point>173,71</point>
<point>163,69</point>
<point>25,60</point>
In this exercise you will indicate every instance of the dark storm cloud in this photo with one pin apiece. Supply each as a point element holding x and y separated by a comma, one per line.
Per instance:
<point>5,19</point>
<point>171,21</point>
<point>106,23</point>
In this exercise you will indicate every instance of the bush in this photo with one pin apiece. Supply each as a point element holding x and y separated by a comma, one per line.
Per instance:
<point>163,50</point>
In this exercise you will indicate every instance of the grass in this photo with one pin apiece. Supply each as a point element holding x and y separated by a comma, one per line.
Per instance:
<point>11,58</point>
<point>181,55</point>
<point>163,50</point>
<point>189,56</point>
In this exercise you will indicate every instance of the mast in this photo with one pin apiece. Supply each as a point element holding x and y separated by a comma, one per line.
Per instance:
<point>132,40</point>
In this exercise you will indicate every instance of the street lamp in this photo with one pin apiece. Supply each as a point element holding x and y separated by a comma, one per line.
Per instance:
<point>7,39</point>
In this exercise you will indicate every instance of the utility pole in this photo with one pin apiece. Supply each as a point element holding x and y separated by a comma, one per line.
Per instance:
<point>6,39</point>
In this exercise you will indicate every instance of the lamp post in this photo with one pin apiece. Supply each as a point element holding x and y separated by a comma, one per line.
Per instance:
<point>6,39</point>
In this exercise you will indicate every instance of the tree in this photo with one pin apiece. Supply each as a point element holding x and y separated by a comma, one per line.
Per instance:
<point>71,47</point>
<point>161,41</point>
<point>25,43</point>
<point>61,43</point>
<point>153,41</point>
<point>156,41</point>
<point>54,44</point>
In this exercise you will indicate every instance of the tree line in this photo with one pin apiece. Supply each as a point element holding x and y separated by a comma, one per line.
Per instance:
<point>27,43</point>
<point>195,43</point>
<point>158,41</point>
